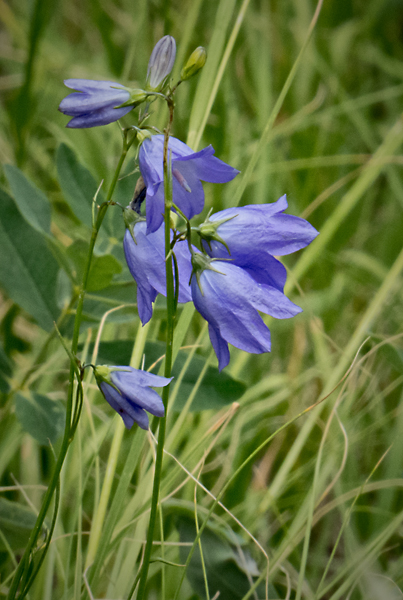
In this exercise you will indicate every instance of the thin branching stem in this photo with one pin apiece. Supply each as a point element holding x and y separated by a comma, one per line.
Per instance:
<point>24,576</point>
<point>168,359</point>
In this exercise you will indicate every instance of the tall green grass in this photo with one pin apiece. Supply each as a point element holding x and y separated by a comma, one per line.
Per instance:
<point>319,507</point>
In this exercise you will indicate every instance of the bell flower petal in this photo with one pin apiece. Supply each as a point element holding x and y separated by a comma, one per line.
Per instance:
<point>146,261</point>
<point>272,231</point>
<point>129,412</point>
<point>129,393</point>
<point>255,233</point>
<point>94,102</point>
<point>229,299</point>
<point>188,169</point>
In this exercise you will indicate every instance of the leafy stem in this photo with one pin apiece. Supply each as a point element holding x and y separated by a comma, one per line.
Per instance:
<point>26,571</point>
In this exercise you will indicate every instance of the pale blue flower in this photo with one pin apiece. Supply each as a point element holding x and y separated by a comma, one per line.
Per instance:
<point>229,299</point>
<point>146,261</point>
<point>253,235</point>
<point>94,103</point>
<point>128,392</point>
<point>188,170</point>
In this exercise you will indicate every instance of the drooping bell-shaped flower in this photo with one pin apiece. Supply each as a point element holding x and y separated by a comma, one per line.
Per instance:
<point>252,235</point>
<point>98,103</point>
<point>229,299</point>
<point>188,170</point>
<point>161,63</point>
<point>128,392</point>
<point>145,256</point>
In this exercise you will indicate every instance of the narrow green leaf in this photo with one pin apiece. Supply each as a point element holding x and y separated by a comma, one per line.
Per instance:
<point>5,371</point>
<point>31,202</point>
<point>224,14</point>
<point>227,565</point>
<point>77,183</point>
<point>393,356</point>
<point>40,416</point>
<point>28,270</point>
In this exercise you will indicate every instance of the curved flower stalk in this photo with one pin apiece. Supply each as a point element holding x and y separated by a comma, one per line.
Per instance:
<point>128,392</point>
<point>229,299</point>
<point>188,170</point>
<point>145,256</point>
<point>252,235</point>
<point>94,103</point>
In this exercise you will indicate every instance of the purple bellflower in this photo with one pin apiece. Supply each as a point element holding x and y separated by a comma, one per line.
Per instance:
<point>229,299</point>
<point>94,103</point>
<point>128,392</point>
<point>146,261</point>
<point>252,235</point>
<point>188,169</point>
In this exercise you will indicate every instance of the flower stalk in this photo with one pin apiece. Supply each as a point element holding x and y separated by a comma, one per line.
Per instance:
<point>168,360</point>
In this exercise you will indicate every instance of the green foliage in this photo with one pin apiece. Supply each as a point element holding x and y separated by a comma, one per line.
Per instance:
<point>78,185</point>
<point>103,268</point>
<point>16,522</point>
<point>5,371</point>
<point>29,272</point>
<point>324,496</point>
<point>40,416</point>
<point>31,202</point>
<point>229,567</point>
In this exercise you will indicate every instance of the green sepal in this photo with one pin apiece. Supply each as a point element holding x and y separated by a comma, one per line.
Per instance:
<point>102,374</point>
<point>201,262</point>
<point>208,231</point>
<point>130,218</point>
<point>137,96</point>
<point>143,134</point>
<point>161,87</point>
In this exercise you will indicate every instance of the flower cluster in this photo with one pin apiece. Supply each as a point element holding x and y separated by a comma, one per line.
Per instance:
<point>97,103</point>
<point>235,274</point>
<point>230,294</point>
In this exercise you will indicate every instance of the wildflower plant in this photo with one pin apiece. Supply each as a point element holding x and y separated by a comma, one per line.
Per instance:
<point>227,266</point>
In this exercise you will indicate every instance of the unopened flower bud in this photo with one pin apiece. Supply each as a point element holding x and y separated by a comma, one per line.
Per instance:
<point>161,63</point>
<point>196,61</point>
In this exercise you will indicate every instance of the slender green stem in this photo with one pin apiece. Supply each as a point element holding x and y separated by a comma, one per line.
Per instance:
<point>22,574</point>
<point>168,363</point>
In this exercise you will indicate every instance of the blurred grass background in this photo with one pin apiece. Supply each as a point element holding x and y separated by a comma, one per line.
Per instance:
<point>324,498</point>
